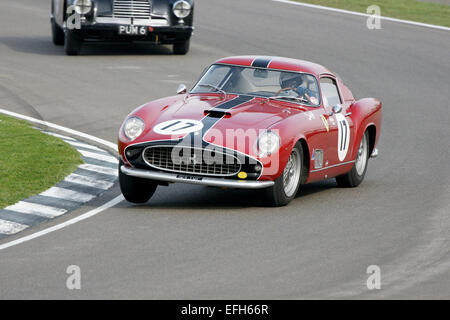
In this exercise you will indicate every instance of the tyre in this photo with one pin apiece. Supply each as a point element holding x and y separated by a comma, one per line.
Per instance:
<point>181,47</point>
<point>354,177</point>
<point>57,34</point>
<point>72,45</point>
<point>286,186</point>
<point>136,190</point>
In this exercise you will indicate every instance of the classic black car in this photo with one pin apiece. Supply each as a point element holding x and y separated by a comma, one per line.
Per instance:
<point>155,21</point>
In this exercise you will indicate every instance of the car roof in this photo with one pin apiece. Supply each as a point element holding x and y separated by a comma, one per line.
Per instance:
<point>276,63</point>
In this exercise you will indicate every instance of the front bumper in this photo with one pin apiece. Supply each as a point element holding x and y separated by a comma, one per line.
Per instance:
<point>107,29</point>
<point>206,181</point>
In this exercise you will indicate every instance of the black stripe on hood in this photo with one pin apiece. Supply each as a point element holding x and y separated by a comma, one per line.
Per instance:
<point>209,121</point>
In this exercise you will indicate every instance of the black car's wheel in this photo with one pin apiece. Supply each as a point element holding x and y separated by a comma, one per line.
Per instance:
<point>181,47</point>
<point>57,34</point>
<point>286,186</point>
<point>72,44</point>
<point>136,190</point>
<point>355,176</point>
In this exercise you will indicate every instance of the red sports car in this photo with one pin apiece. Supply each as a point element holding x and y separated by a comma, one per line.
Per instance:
<point>251,122</point>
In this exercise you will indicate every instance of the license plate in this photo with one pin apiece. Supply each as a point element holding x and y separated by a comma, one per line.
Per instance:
<point>186,177</point>
<point>130,30</point>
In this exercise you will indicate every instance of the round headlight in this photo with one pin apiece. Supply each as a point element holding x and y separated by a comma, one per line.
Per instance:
<point>181,9</point>
<point>133,128</point>
<point>268,143</point>
<point>83,6</point>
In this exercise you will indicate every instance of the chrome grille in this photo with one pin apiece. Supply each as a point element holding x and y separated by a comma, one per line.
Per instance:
<point>192,160</point>
<point>139,9</point>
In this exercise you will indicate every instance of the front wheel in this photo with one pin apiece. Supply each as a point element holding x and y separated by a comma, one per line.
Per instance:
<point>134,189</point>
<point>355,176</point>
<point>72,45</point>
<point>286,186</point>
<point>181,47</point>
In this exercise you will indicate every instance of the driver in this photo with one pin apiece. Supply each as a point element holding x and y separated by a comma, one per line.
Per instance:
<point>291,84</point>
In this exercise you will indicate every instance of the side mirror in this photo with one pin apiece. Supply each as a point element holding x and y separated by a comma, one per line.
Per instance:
<point>181,89</point>
<point>337,108</point>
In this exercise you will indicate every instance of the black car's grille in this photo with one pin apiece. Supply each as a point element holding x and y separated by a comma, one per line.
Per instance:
<point>139,9</point>
<point>192,160</point>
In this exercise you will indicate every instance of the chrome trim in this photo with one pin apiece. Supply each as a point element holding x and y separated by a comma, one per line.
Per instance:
<point>186,172</point>
<point>131,8</point>
<point>333,166</point>
<point>199,180</point>
<point>133,12</point>
<point>154,21</point>
<point>175,4</point>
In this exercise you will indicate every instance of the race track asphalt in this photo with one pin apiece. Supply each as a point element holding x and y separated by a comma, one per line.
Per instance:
<point>194,242</point>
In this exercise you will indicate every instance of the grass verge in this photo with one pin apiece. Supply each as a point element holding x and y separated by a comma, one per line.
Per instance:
<point>419,11</point>
<point>31,161</point>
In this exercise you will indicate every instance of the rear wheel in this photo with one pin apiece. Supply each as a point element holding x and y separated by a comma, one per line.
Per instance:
<point>181,47</point>
<point>286,186</point>
<point>136,190</point>
<point>355,176</point>
<point>72,44</point>
<point>57,34</point>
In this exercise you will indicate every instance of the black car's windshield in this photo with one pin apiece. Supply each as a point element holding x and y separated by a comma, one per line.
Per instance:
<point>291,86</point>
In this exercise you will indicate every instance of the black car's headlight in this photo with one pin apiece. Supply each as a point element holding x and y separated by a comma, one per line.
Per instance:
<point>83,7</point>
<point>181,9</point>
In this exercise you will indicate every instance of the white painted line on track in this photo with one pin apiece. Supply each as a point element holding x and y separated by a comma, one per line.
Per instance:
<point>83,145</point>
<point>60,226</point>
<point>314,6</point>
<point>99,169</point>
<point>88,181</point>
<point>36,209</point>
<point>58,135</point>
<point>9,227</point>
<point>97,156</point>
<point>67,194</point>
<point>82,217</point>
<point>61,128</point>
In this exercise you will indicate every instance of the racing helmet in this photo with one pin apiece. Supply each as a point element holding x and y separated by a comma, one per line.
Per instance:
<point>290,79</point>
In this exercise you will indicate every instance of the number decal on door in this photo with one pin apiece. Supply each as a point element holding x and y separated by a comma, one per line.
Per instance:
<point>343,136</point>
<point>177,127</point>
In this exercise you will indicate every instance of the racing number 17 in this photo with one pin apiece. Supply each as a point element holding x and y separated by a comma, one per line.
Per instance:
<point>179,125</point>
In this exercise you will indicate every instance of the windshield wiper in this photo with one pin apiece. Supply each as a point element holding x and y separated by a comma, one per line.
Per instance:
<point>290,98</point>
<point>214,87</point>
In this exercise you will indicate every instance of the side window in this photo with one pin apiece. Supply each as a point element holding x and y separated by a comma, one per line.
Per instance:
<point>330,92</point>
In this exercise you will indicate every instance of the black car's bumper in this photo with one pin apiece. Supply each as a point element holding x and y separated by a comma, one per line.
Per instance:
<point>110,33</point>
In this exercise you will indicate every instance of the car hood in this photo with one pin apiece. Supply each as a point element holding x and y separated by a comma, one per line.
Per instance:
<point>218,114</point>
<point>234,122</point>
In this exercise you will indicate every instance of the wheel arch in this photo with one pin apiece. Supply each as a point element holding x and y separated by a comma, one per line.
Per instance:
<point>366,115</point>
<point>306,156</point>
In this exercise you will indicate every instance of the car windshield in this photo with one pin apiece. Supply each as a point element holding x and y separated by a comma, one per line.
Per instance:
<point>295,87</point>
